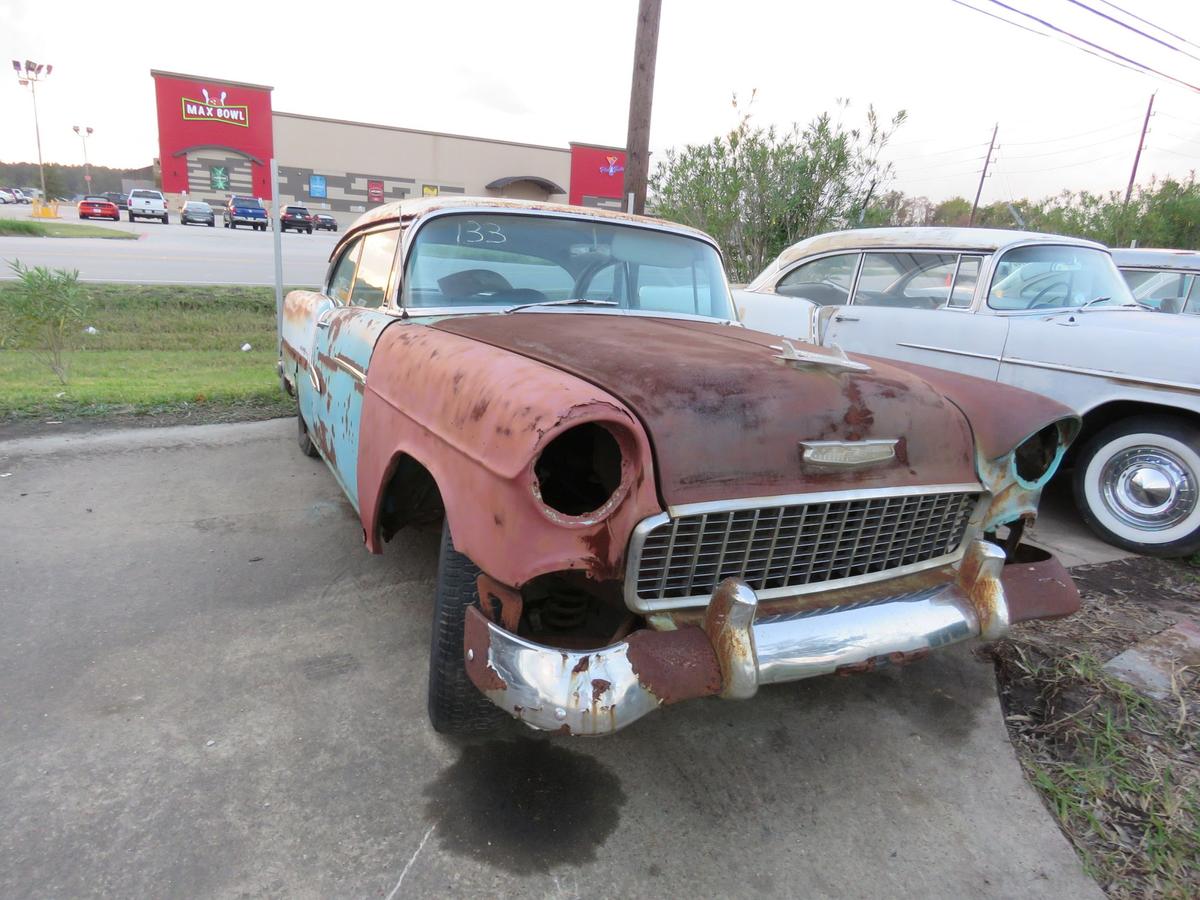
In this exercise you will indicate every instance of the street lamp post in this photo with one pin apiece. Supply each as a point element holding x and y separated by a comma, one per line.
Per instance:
<point>84,133</point>
<point>29,75</point>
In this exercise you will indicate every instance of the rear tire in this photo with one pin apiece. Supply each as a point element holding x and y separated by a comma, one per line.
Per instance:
<point>1137,485</point>
<point>455,705</point>
<point>212,224</point>
<point>303,438</point>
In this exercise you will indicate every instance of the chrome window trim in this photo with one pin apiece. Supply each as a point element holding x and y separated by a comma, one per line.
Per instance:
<point>642,530</point>
<point>442,311</point>
<point>410,232</point>
<point>950,350</point>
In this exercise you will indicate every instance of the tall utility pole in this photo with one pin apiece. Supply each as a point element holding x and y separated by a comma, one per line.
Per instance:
<point>982,175</point>
<point>30,76</point>
<point>641,96</point>
<point>84,133</point>
<point>1137,157</point>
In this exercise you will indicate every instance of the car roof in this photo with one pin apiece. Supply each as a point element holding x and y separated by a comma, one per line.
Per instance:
<point>1152,258</point>
<point>927,237</point>
<point>410,211</point>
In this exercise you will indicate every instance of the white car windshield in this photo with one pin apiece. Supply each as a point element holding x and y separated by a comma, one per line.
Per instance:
<point>1057,277</point>
<point>506,260</point>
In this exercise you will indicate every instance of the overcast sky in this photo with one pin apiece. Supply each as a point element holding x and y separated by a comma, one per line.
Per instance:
<point>553,72</point>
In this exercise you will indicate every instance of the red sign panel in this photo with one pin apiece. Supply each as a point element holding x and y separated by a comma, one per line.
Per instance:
<point>375,191</point>
<point>225,119</point>
<point>596,172</point>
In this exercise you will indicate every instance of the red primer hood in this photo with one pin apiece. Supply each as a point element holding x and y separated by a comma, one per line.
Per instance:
<point>725,418</point>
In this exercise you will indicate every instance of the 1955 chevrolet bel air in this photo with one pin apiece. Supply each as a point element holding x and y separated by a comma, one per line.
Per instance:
<point>643,501</point>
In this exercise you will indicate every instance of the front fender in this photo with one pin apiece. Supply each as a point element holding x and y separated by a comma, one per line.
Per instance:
<point>477,417</point>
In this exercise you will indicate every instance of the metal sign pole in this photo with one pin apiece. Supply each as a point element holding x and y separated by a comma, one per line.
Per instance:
<point>277,240</point>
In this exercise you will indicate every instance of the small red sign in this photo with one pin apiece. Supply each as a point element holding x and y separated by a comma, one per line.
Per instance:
<point>375,191</point>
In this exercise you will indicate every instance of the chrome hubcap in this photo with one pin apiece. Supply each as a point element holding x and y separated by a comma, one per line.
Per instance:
<point>1149,488</point>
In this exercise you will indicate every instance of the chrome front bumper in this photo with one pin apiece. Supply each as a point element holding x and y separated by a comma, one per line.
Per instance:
<point>734,651</point>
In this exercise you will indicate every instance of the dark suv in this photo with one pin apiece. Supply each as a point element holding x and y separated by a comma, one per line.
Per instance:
<point>295,217</point>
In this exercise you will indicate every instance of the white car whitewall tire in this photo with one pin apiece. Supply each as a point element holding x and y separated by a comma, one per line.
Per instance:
<point>1137,484</point>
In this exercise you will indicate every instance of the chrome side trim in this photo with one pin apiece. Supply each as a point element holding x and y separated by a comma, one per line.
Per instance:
<point>1101,373</point>
<point>950,350</point>
<point>350,369</point>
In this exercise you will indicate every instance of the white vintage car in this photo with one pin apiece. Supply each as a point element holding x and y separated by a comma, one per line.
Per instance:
<point>1164,280</point>
<point>1047,313</point>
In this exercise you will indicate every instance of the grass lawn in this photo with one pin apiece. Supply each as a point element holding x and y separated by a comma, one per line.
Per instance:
<point>159,348</point>
<point>29,228</point>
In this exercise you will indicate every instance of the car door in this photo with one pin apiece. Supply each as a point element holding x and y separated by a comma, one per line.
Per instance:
<point>346,332</point>
<point>917,306</point>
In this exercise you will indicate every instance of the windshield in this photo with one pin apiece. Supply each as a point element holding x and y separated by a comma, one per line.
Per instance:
<point>198,206</point>
<point>474,260</point>
<point>246,203</point>
<point>1057,277</point>
<point>146,195</point>
<point>297,210</point>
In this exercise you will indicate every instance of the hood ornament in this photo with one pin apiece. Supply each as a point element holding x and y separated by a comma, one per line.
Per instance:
<point>848,454</point>
<point>838,359</point>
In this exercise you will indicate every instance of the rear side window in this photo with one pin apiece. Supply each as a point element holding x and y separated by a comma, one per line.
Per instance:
<point>147,195</point>
<point>825,281</point>
<point>342,277</point>
<point>912,280</point>
<point>374,265</point>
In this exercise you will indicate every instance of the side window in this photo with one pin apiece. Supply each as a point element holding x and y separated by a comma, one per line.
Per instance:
<point>905,280</point>
<point>965,280</point>
<point>825,281</point>
<point>343,274</point>
<point>374,264</point>
<point>682,289</point>
<point>608,283</point>
<point>1166,291</point>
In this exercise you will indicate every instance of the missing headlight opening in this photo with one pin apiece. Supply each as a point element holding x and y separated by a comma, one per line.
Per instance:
<point>1037,454</point>
<point>579,470</point>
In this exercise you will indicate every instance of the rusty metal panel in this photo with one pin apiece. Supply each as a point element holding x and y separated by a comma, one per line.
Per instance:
<point>1041,589</point>
<point>477,418</point>
<point>726,418</point>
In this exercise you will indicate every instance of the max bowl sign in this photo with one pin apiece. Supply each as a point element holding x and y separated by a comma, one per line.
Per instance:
<point>214,109</point>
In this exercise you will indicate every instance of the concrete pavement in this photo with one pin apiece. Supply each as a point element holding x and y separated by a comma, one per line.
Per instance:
<point>173,253</point>
<point>208,688</point>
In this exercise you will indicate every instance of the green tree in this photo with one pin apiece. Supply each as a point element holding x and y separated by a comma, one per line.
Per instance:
<point>757,190</point>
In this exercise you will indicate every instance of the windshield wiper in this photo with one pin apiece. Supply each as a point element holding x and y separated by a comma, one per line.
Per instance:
<point>573,301</point>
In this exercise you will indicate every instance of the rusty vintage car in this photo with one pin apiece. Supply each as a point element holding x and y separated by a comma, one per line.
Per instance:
<point>642,501</point>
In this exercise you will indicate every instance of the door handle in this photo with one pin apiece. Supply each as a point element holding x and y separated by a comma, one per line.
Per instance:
<point>841,318</point>
<point>322,322</point>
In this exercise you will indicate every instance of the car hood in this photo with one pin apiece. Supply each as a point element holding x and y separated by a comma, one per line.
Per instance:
<point>725,418</point>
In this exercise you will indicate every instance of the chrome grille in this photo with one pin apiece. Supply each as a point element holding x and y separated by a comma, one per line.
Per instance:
<point>796,545</point>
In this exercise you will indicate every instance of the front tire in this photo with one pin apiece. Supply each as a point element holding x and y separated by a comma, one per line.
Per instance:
<point>455,705</point>
<point>1137,485</point>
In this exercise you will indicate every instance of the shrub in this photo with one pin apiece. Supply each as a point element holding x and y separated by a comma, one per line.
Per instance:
<point>43,313</point>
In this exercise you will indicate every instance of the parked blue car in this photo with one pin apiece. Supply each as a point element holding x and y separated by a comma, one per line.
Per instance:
<point>245,211</point>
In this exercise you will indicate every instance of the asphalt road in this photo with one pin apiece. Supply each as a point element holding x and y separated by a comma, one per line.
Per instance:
<point>208,688</point>
<point>173,254</point>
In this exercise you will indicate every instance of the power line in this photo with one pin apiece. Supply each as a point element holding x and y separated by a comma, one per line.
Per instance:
<point>1151,24</point>
<point>941,152</point>
<point>1116,137</point>
<point>1191,156</point>
<point>984,12</point>
<point>1068,137</point>
<point>1083,40</point>
<point>1085,162</point>
<point>1129,27</point>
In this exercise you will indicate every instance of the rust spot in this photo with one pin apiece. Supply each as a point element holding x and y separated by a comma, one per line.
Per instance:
<point>599,686</point>
<point>582,665</point>
<point>479,410</point>
<point>675,665</point>
<point>476,644</point>
<point>1039,590</point>
<point>497,518</point>
<point>502,604</point>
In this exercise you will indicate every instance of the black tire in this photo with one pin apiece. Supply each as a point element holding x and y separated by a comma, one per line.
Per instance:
<point>1159,438</point>
<point>225,223</point>
<point>231,225</point>
<point>131,215</point>
<point>310,229</point>
<point>455,705</point>
<point>165,221</point>
<point>303,438</point>
<point>212,224</point>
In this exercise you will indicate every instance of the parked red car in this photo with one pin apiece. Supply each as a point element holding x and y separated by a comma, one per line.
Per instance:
<point>98,208</point>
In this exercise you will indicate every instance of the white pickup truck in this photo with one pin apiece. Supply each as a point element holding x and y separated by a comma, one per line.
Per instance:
<point>147,204</point>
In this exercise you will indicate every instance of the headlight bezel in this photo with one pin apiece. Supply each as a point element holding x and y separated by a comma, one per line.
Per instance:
<point>617,449</point>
